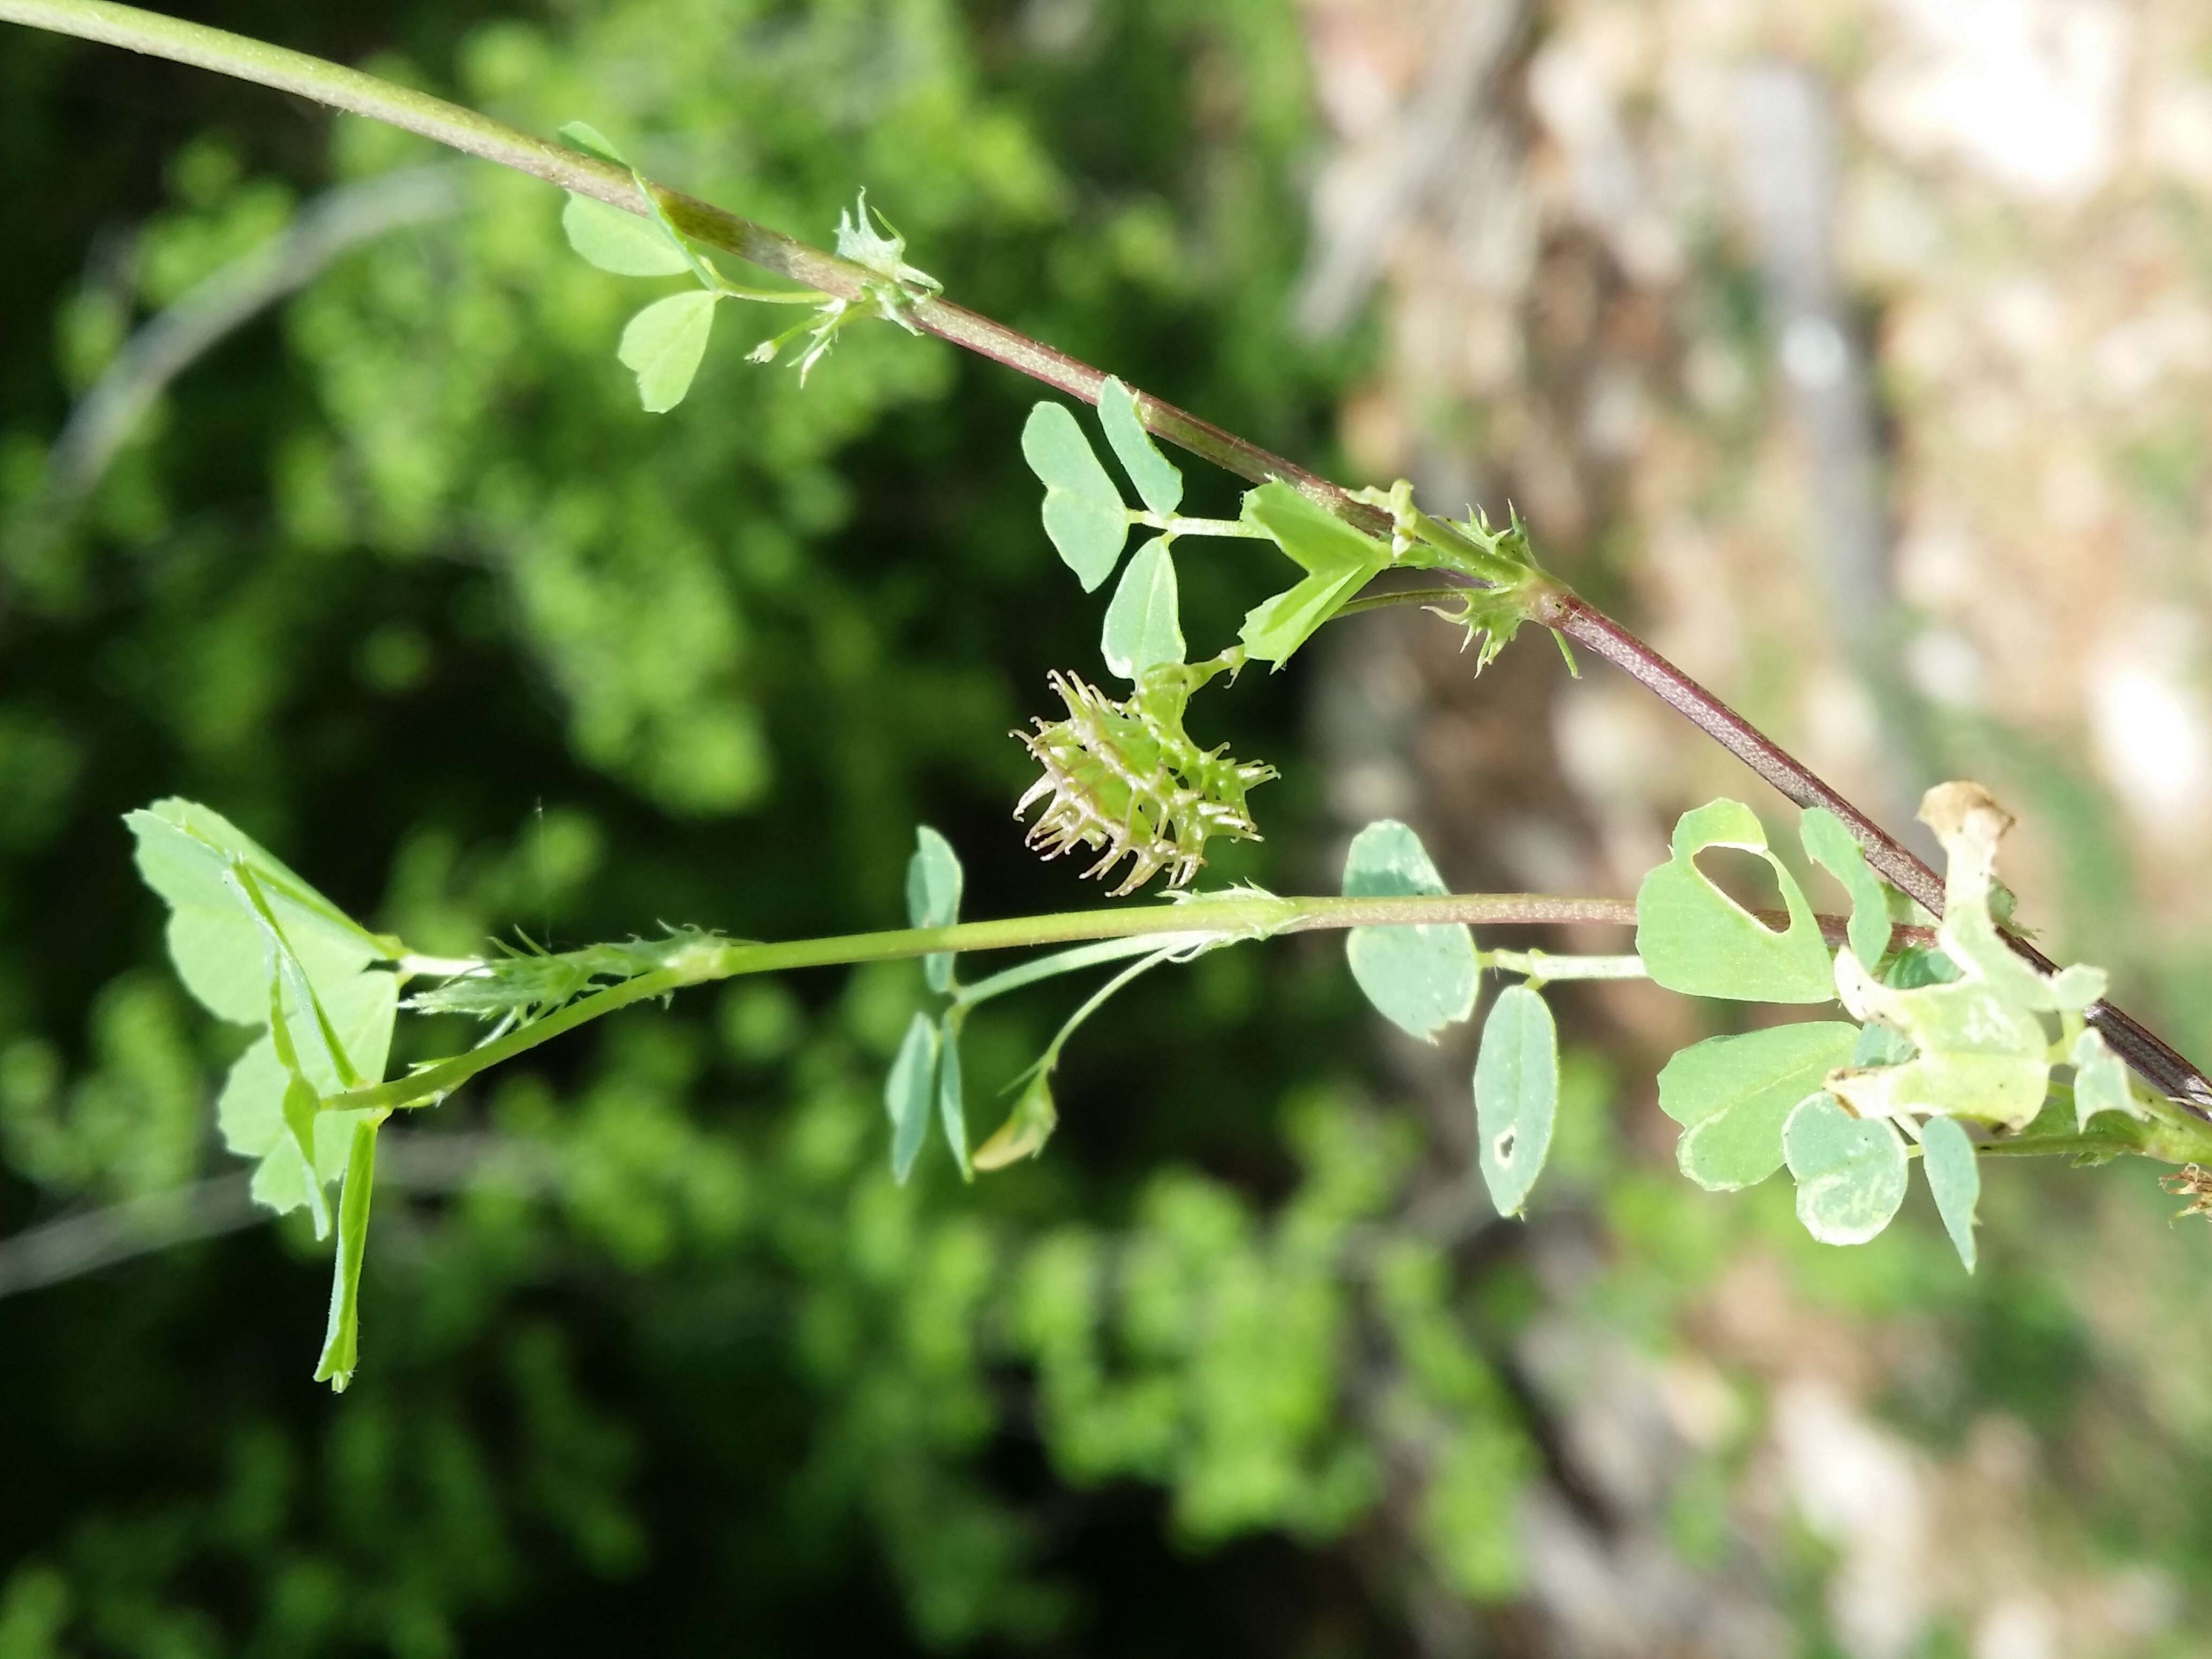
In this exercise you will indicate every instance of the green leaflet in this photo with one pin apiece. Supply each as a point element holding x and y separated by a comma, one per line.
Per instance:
<point>1421,977</point>
<point>1337,559</point>
<point>950,1106</point>
<point>1693,938</point>
<point>909,1094</point>
<point>1083,511</point>
<point>1143,627</point>
<point>582,135</point>
<point>620,242</point>
<point>1516,1095</point>
<point>1159,484</point>
<point>1850,1171</point>
<point>663,346</point>
<point>2101,1081</point>
<point>933,881</point>
<point>340,1352</point>
<point>221,951</point>
<point>1836,850</point>
<point>1026,1129</point>
<point>1954,1180</point>
<point>1732,1094</point>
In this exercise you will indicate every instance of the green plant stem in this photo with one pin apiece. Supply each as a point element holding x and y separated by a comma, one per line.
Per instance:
<point>1551,604</point>
<point>1174,526</point>
<point>1548,969</point>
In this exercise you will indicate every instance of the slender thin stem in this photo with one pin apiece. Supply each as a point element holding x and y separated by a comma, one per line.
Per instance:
<point>1552,605</point>
<point>1176,526</point>
<point>1550,969</point>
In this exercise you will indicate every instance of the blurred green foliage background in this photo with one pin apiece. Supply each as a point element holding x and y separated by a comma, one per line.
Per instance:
<point>399,577</point>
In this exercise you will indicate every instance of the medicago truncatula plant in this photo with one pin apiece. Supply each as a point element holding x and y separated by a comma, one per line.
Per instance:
<point>1961,1042</point>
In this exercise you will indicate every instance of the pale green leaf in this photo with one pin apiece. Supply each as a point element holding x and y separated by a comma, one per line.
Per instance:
<point>1143,626</point>
<point>1516,1095</point>
<point>2101,1081</point>
<point>1083,514</point>
<point>1836,850</point>
<point>1695,939</point>
<point>1970,825</point>
<point>340,1352</point>
<point>950,1105</point>
<point>1421,976</point>
<point>582,135</point>
<point>1954,1180</point>
<point>1026,1129</point>
<point>934,880</point>
<point>663,346</point>
<point>1159,484</point>
<point>1976,1055</point>
<point>1732,1094</point>
<point>909,1094</point>
<point>1850,1171</point>
<point>1339,561</point>
<point>620,242</point>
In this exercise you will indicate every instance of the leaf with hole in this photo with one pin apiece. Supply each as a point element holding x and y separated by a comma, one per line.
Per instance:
<point>909,1094</point>
<point>620,242</point>
<point>933,881</point>
<point>1338,560</point>
<point>1159,484</point>
<point>1693,938</point>
<point>1850,1171</point>
<point>1732,1094</point>
<point>1516,1095</point>
<point>1420,977</point>
<point>1083,514</point>
<point>1143,628</point>
<point>663,346</point>
<point>1954,1181</point>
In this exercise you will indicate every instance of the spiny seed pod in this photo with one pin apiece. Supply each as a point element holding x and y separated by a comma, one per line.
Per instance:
<point>1123,779</point>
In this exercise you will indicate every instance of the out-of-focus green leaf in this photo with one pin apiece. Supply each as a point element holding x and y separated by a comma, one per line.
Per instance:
<point>1695,939</point>
<point>1850,1171</point>
<point>663,346</point>
<point>1422,977</point>
<point>1955,1179</point>
<point>1732,1094</point>
<point>910,1093</point>
<point>933,881</point>
<point>1159,481</point>
<point>620,242</point>
<point>950,1105</point>
<point>1143,624</point>
<point>1338,560</point>
<point>582,135</point>
<point>1516,1095</point>
<point>1084,514</point>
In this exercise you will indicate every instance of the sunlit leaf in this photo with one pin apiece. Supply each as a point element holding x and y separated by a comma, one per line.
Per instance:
<point>1836,850</point>
<point>1083,514</point>
<point>663,346</point>
<point>909,1092</point>
<point>1732,1094</point>
<point>1143,626</point>
<point>1339,561</point>
<point>1850,1171</point>
<point>1420,977</point>
<point>933,881</point>
<point>1695,939</point>
<point>1516,1095</point>
<point>1955,1179</point>
<point>341,1354</point>
<point>620,242</point>
<point>1159,484</point>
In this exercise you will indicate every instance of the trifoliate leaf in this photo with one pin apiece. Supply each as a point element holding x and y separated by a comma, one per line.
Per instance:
<point>1836,850</point>
<point>950,1106</point>
<point>1026,1129</point>
<point>663,346</point>
<point>1083,511</point>
<point>2101,1081</point>
<point>582,135</point>
<point>933,881</point>
<point>1339,561</point>
<point>1420,976</point>
<point>1695,939</point>
<point>1143,624</point>
<point>1732,1094</point>
<point>1850,1171</point>
<point>909,1094</point>
<point>341,1354</point>
<point>1954,1180</point>
<point>1159,484</point>
<point>620,242</point>
<point>1516,1095</point>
